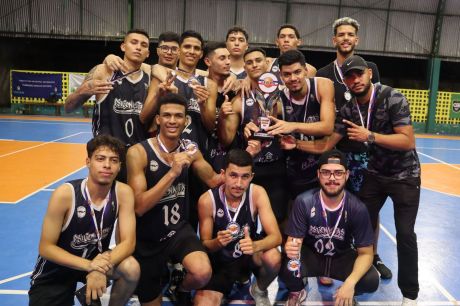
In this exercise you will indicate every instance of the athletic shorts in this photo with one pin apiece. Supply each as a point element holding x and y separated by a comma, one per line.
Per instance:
<point>56,291</point>
<point>224,274</point>
<point>184,242</point>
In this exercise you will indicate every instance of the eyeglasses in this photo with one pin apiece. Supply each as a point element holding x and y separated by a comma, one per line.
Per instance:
<point>166,49</point>
<point>327,173</point>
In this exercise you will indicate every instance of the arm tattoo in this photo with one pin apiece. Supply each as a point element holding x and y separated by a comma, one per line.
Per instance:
<point>90,74</point>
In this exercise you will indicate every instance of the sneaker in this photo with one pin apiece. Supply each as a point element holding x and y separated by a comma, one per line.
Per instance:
<point>260,296</point>
<point>296,298</point>
<point>325,281</point>
<point>408,302</point>
<point>385,273</point>
<point>177,276</point>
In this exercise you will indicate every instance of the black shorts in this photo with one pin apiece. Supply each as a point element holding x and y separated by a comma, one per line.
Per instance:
<point>184,242</point>
<point>58,290</point>
<point>224,274</point>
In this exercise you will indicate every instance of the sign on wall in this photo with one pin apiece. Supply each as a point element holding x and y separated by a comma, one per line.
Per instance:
<point>36,85</point>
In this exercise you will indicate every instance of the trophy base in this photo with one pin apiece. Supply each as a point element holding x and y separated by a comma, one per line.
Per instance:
<point>262,136</point>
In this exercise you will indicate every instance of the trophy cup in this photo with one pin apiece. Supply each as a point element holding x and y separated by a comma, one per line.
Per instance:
<point>268,84</point>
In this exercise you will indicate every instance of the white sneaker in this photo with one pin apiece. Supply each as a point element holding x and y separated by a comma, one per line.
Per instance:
<point>260,296</point>
<point>297,298</point>
<point>409,302</point>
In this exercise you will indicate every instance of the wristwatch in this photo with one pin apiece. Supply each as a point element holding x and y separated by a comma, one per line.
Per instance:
<point>371,138</point>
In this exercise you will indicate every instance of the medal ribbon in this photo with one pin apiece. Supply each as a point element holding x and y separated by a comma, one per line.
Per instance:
<point>93,215</point>
<point>224,198</point>
<point>369,111</point>
<point>163,147</point>
<point>323,207</point>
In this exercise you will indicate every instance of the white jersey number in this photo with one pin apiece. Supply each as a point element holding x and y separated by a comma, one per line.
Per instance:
<point>171,216</point>
<point>129,127</point>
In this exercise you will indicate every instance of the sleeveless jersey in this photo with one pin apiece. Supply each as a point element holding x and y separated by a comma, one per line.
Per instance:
<point>168,215</point>
<point>195,129</point>
<point>118,113</point>
<point>216,152</point>
<point>245,217</point>
<point>240,75</point>
<point>301,166</point>
<point>251,111</point>
<point>78,235</point>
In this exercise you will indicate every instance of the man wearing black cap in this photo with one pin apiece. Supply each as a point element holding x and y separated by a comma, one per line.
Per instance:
<point>322,228</point>
<point>379,117</point>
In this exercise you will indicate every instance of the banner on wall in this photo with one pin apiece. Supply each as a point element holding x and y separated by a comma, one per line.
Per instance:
<point>75,80</point>
<point>47,86</point>
<point>455,106</point>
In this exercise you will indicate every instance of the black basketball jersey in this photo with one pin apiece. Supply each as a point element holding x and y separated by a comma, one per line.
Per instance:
<point>240,75</point>
<point>168,215</point>
<point>216,152</point>
<point>245,218</point>
<point>195,129</point>
<point>301,166</point>
<point>117,114</point>
<point>251,112</point>
<point>78,235</point>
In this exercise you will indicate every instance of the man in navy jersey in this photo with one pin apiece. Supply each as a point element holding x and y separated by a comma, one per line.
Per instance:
<point>329,233</point>
<point>158,173</point>
<point>119,98</point>
<point>228,222</point>
<point>308,113</point>
<point>237,43</point>
<point>76,232</point>
<point>245,113</point>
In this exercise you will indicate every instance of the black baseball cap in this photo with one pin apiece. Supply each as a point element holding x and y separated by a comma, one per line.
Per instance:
<point>330,157</point>
<point>354,62</point>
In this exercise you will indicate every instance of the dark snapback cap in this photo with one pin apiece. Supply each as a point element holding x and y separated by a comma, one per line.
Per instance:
<point>354,62</point>
<point>330,157</point>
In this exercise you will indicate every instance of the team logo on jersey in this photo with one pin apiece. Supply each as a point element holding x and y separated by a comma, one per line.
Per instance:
<point>125,107</point>
<point>81,211</point>
<point>153,165</point>
<point>220,213</point>
<point>312,212</point>
<point>275,68</point>
<point>249,102</point>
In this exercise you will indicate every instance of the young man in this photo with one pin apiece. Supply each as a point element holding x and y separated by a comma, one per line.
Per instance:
<point>76,233</point>
<point>379,117</point>
<point>308,113</point>
<point>218,60</point>
<point>237,43</point>
<point>329,233</point>
<point>247,112</point>
<point>158,174</point>
<point>228,223</point>
<point>287,38</point>
<point>118,102</point>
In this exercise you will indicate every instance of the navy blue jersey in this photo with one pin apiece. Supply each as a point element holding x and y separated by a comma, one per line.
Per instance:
<point>78,235</point>
<point>168,215</point>
<point>240,75</point>
<point>246,217</point>
<point>301,166</point>
<point>251,112</point>
<point>195,129</point>
<point>118,113</point>
<point>307,221</point>
<point>215,155</point>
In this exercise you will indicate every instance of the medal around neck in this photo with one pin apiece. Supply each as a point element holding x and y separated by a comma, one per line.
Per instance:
<point>193,82</point>
<point>234,229</point>
<point>347,95</point>
<point>189,146</point>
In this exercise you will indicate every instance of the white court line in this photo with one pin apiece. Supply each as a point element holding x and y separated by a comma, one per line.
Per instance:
<point>446,193</point>
<point>16,292</point>
<point>42,144</point>
<point>47,189</point>
<point>46,122</point>
<point>6,280</point>
<point>438,160</point>
<point>430,148</point>
<point>438,286</point>
<point>43,189</point>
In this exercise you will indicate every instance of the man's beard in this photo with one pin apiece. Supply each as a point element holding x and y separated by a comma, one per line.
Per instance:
<point>364,92</point>
<point>332,194</point>
<point>346,54</point>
